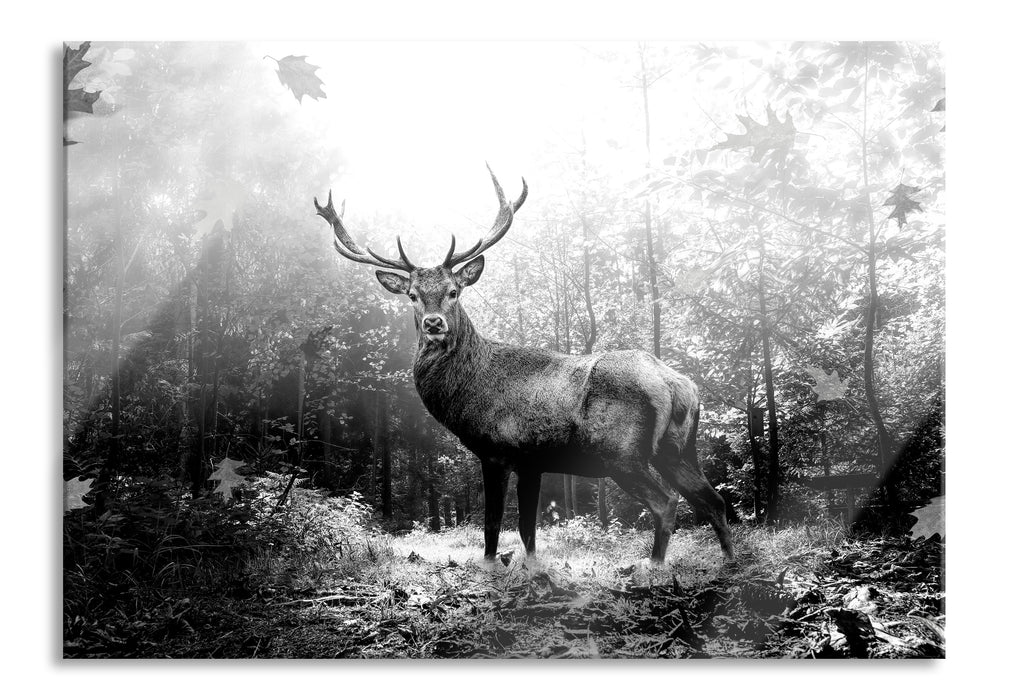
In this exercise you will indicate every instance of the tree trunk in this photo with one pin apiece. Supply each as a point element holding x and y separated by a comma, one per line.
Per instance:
<point>326,438</point>
<point>447,505</point>
<point>590,342</point>
<point>433,498</point>
<point>755,431</point>
<point>570,496</point>
<point>383,430</point>
<point>773,467</point>
<point>653,286</point>
<point>883,439</point>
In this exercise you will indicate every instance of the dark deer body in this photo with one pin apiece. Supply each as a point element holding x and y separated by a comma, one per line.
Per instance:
<point>532,411</point>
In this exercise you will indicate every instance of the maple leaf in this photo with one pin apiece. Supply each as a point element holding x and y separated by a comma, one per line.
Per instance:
<point>299,76</point>
<point>931,519</point>
<point>228,196</point>
<point>900,200</point>
<point>829,385</point>
<point>74,492</point>
<point>76,100</point>
<point>776,136</point>
<point>227,477</point>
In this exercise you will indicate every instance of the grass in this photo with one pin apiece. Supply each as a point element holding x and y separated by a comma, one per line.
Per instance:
<point>589,592</point>
<point>584,552</point>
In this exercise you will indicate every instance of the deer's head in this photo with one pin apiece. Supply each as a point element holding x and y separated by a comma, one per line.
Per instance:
<point>435,291</point>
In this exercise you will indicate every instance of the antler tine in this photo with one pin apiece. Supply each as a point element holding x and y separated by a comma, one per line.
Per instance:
<point>346,246</point>
<point>505,216</point>
<point>403,264</point>
<point>448,258</point>
<point>402,254</point>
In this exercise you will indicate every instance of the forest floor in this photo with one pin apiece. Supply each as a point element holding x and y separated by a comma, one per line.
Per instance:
<point>796,592</point>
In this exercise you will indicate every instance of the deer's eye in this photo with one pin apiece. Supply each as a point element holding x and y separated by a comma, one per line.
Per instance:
<point>413,297</point>
<point>453,294</point>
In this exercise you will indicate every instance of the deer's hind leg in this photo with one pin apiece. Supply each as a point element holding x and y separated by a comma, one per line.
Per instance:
<point>683,472</point>
<point>635,480</point>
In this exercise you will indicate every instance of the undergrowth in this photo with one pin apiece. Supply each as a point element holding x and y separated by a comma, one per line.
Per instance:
<point>178,576</point>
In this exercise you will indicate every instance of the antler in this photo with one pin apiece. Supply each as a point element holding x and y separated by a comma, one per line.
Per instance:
<point>506,212</point>
<point>346,246</point>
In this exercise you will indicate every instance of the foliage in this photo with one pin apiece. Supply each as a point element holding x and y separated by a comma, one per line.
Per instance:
<point>76,99</point>
<point>209,323</point>
<point>930,519</point>
<point>299,76</point>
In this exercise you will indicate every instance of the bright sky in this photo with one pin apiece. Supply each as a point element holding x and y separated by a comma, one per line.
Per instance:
<point>417,120</point>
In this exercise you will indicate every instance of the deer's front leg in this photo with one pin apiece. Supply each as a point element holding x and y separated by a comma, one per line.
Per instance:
<point>495,479</point>
<point>529,503</point>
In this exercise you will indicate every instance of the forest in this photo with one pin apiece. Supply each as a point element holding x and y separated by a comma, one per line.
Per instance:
<point>249,470</point>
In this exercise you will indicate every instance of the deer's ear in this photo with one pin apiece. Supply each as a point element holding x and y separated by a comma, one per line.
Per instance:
<point>470,272</point>
<point>397,284</point>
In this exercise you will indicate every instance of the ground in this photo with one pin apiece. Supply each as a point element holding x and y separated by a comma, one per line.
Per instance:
<point>799,592</point>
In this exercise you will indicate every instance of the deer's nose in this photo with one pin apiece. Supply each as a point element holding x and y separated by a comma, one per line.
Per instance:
<point>435,323</point>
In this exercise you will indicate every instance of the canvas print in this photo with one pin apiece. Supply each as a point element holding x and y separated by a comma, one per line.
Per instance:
<point>469,350</point>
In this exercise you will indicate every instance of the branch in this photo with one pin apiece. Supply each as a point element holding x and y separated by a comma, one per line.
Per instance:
<point>772,212</point>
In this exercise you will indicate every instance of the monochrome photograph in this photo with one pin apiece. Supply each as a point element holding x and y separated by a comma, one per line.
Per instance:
<point>503,350</point>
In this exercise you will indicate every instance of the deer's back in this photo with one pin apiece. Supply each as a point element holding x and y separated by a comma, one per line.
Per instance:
<point>541,406</point>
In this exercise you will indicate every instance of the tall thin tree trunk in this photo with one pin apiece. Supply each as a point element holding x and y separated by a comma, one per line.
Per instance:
<point>433,497</point>
<point>653,286</point>
<point>755,430</point>
<point>883,439</point>
<point>602,511</point>
<point>521,320</point>
<point>773,466</point>
<point>383,410</point>
<point>447,504</point>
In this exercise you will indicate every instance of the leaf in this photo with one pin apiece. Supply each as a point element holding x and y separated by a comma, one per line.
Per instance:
<point>76,100</point>
<point>228,196</point>
<point>940,106</point>
<point>829,385</point>
<point>74,492</point>
<point>931,519</point>
<point>227,477</point>
<point>299,76</point>
<point>776,137</point>
<point>900,200</point>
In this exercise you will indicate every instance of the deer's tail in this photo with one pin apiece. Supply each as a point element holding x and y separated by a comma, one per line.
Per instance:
<point>677,418</point>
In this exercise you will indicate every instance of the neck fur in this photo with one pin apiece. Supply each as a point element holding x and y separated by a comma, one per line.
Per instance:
<point>443,373</point>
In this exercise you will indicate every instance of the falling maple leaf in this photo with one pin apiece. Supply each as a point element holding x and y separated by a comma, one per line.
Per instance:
<point>227,197</point>
<point>829,385</point>
<point>900,200</point>
<point>931,519</point>
<point>76,100</point>
<point>74,492</point>
<point>776,136</point>
<point>299,76</point>
<point>227,477</point>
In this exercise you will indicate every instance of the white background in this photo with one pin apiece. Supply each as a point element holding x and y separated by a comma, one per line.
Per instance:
<point>30,222</point>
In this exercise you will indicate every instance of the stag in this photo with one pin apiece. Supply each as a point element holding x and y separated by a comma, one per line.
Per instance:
<point>531,411</point>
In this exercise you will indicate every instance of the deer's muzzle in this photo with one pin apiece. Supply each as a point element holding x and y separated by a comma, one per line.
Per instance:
<point>434,324</point>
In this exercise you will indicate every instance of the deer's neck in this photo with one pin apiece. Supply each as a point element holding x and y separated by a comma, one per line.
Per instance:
<point>446,374</point>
